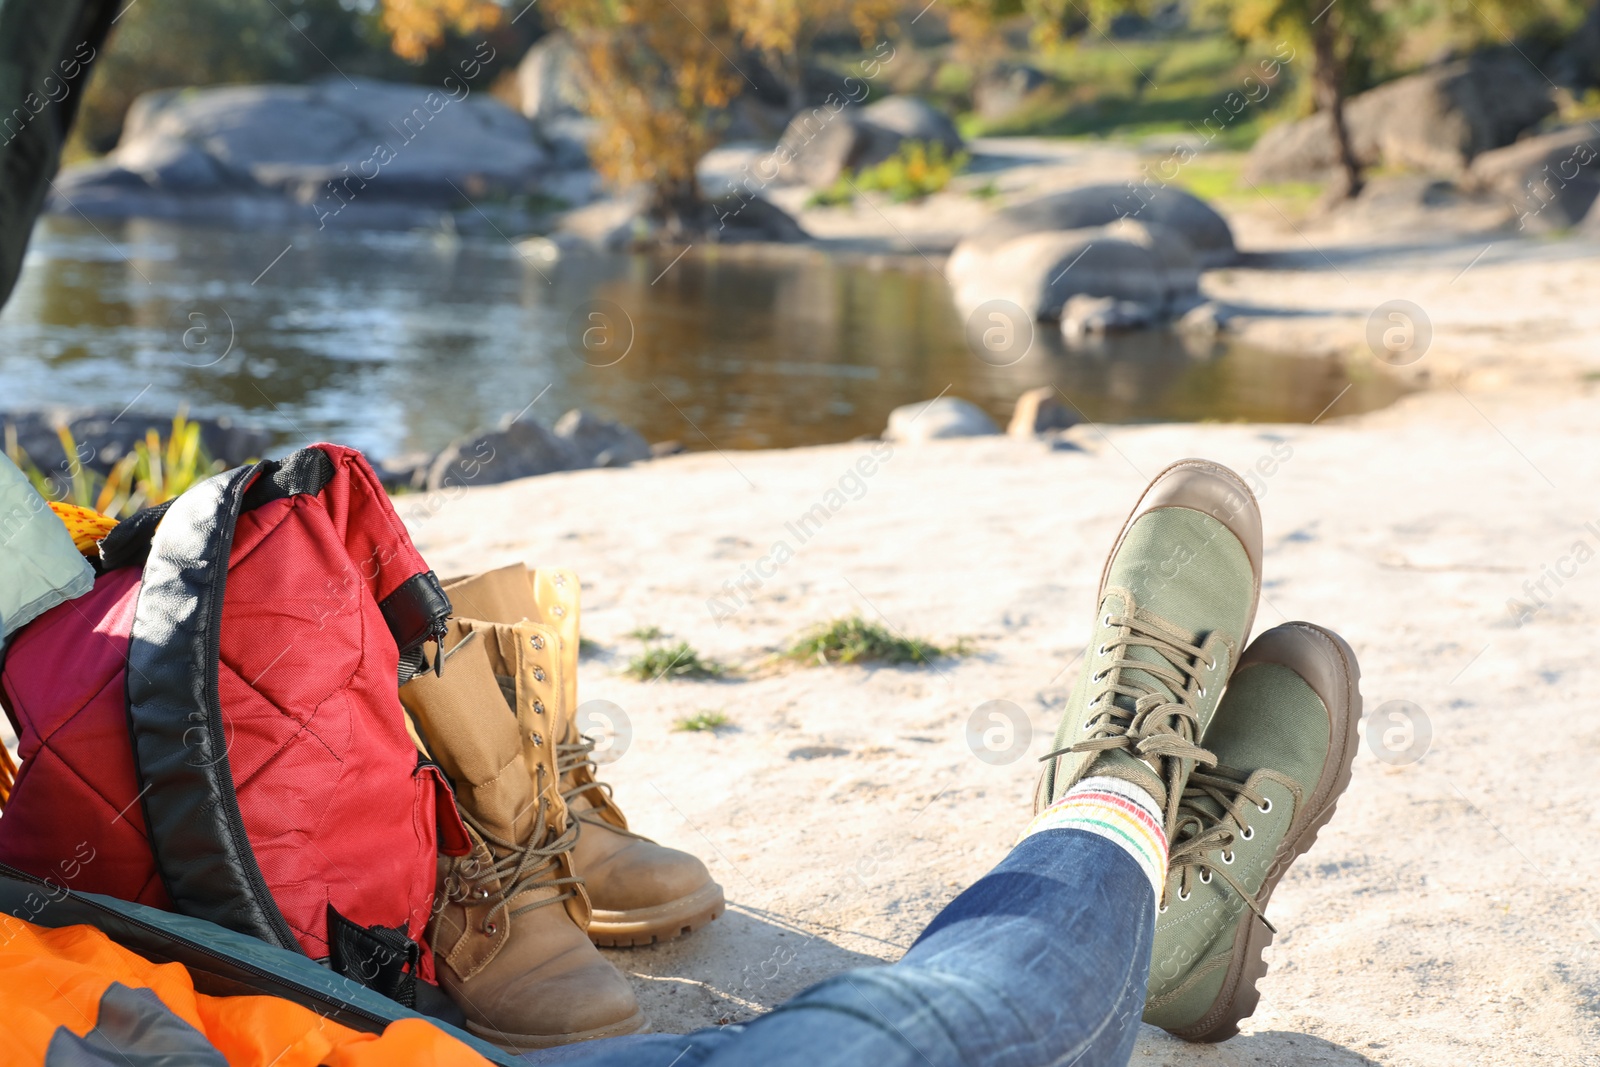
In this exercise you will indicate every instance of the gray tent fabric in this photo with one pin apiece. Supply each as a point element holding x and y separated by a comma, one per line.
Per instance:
<point>39,565</point>
<point>133,1029</point>
<point>46,49</point>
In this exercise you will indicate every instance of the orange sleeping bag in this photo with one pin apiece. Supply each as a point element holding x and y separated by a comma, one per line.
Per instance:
<point>74,995</point>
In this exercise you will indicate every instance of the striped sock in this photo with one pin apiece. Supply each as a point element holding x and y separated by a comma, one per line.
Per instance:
<point>1118,811</point>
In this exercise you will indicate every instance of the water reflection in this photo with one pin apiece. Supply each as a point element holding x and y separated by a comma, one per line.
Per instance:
<point>401,341</point>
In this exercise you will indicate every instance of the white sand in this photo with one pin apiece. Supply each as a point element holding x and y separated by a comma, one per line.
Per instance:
<point>1446,915</point>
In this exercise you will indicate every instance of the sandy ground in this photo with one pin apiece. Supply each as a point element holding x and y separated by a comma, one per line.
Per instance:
<point>1444,917</point>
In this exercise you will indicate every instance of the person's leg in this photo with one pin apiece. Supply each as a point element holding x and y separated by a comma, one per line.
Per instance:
<point>1042,962</point>
<point>1045,960</point>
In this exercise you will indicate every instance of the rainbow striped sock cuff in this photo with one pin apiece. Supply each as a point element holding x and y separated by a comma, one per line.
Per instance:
<point>1118,811</point>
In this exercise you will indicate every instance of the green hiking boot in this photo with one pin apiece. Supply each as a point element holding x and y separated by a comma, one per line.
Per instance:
<point>1284,739</point>
<point>1175,604</point>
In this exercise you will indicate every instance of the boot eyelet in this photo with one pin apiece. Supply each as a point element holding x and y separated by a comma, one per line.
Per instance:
<point>1247,833</point>
<point>1088,726</point>
<point>1227,857</point>
<point>558,611</point>
<point>538,643</point>
<point>1264,808</point>
<point>1202,691</point>
<point>1106,619</point>
<point>491,928</point>
<point>538,674</point>
<point>538,707</point>
<point>1211,665</point>
<point>1097,676</point>
<point>1161,910</point>
<point>1205,876</point>
<point>538,742</point>
<point>482,894</point>
<point>1102,650</point>
<point>1184,894</point>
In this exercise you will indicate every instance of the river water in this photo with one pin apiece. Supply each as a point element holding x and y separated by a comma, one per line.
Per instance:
<point>397,342</point>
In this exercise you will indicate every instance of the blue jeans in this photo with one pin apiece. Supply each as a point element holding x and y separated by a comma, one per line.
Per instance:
<point>1042,962</point>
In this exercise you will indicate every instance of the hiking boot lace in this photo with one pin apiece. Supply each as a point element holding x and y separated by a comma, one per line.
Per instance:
<point>1157,728</point>
<point>1211,817</point>
<point>575,755</point>
<point>518,868</point>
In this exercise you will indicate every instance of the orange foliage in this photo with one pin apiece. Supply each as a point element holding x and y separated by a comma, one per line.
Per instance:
<point>416,27</point>
<point>659,74</point>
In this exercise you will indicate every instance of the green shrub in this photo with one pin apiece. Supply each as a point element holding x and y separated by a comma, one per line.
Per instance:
<point>154,472</point>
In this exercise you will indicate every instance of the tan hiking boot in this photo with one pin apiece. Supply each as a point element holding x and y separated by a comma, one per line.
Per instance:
<point>508,931</point>
<point>642,892</point>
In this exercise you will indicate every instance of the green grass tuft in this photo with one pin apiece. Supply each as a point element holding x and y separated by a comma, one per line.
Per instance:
<point>916,171</point>
<point>1221,178</point>
<point>855,640</point>
<point>647,633</point>
<point>673,661</point>
<point>703,721</point>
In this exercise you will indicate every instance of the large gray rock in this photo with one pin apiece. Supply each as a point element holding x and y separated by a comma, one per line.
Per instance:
<point>822,143</point>
<point>549,80</point>
<point>1437,120</point>
<point>518,449</point>
<point>318,148</point>
<point>600,442</point>
<point>1139,262</point>
<point>945,416</point>
<point>1196,222</point>
<point>914,119</point>
<point>1577,63</point>
<point>1551,180</point>
<point>1084,317</point>
<point>1590,226</point>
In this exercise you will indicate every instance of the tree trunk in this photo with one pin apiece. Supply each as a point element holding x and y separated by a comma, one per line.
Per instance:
<point>1328,90</point>
<point>680,210</point>
<point>795,75</point>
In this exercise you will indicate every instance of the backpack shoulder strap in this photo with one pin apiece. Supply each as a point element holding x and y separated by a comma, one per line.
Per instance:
<point>175,715</point>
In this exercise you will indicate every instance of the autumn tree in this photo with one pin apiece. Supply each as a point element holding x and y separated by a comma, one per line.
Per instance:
<point>784,31</point>
<point>659,76</point>
<point>1338,33</point>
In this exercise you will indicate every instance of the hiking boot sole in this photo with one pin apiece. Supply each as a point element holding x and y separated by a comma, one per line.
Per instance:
<point>633,1024</point>
<point>664,922</point>
<point>1328,665</point>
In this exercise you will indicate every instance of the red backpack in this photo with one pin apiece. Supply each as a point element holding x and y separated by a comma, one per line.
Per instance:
<point>215,728</point>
